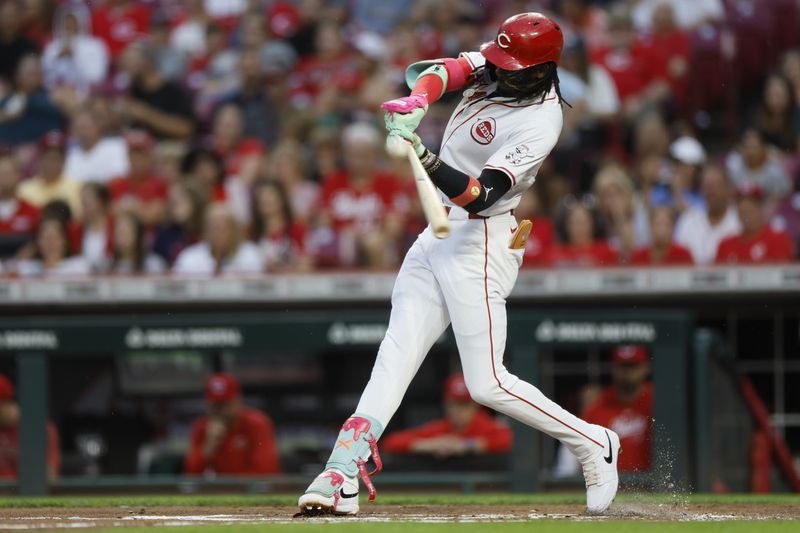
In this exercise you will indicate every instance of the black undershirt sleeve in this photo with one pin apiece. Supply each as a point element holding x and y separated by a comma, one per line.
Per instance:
<point>452,182</point>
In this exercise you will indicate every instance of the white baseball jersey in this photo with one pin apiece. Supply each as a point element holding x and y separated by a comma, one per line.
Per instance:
<point>500,133</point>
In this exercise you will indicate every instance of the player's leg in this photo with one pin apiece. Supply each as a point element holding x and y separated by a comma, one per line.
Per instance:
<point>478,317</point>
<point>417,320</point>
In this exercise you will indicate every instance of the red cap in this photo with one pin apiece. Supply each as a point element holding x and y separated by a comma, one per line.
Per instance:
<point>53,139</point>
<point>523,41</point>
<point>629,354</point>
<point>139,139</point>
<point>283,19</point>
<point>455,389</point>
<point>749,189</point>
<point>6,389</point>
<point>222,388</point>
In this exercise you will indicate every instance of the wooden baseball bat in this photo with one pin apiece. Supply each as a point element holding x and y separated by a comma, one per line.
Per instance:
<point>428,197</point>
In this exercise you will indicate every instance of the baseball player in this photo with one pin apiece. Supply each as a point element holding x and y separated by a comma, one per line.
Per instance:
<point>507,122</point>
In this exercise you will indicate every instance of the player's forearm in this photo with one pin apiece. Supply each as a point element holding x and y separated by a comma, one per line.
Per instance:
<point>473,194</point>
<point>435,81</point>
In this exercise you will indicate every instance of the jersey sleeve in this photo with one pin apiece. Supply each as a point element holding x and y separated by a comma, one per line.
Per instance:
<point>474,59</point>
<point>522,154</point>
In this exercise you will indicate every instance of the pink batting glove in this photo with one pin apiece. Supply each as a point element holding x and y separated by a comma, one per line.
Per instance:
<point>406,104</point>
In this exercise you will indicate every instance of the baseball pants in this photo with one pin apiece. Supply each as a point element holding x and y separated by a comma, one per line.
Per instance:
<point>464,281</point>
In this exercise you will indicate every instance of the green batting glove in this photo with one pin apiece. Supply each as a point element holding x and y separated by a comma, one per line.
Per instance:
<point>410,137</point>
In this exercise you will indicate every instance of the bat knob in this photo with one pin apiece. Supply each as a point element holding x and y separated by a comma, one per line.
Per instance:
<point>396,146</point>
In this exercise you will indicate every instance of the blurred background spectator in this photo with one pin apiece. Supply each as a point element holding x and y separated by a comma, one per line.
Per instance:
<point>232,438</point>
<point>466,429</point>
<point>50,182</point>
<point>757,242</point>
<point>223,249</point>
<point>18,217</point>
<point>626,406</point>
<point>180,106</point>
<point>9,436</point>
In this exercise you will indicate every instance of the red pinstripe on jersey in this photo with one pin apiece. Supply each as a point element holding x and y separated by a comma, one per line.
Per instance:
<point>491,340</point>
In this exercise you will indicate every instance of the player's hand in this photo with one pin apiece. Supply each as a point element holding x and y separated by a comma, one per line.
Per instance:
<point>411,138</point>
<point>215,432</point>
<point>405,114</point>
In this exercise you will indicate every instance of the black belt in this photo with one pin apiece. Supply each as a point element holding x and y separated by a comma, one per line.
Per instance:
<point>474,216</point>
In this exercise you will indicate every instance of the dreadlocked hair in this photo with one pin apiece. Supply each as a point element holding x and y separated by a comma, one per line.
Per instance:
<point>526,83</point>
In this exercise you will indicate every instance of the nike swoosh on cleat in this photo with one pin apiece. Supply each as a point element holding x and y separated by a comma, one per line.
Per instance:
<point>610,457</point>
<point>343,494</point>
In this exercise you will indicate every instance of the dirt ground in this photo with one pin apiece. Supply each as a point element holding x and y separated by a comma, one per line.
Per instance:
<point>91,518</point>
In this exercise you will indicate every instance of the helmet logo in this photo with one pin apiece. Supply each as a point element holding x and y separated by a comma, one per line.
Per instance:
<point>503,40</point>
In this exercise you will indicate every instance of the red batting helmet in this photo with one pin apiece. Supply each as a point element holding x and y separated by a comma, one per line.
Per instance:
<point>523,41</point>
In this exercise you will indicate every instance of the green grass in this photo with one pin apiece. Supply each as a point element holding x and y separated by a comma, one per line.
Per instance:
<point>245,500</point>
<point>540,526</point>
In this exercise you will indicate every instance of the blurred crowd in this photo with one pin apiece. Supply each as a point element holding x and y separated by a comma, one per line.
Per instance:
<point>204,137</point>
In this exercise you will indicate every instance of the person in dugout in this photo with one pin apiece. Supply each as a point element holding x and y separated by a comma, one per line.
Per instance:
<point>9,436</point>
<point>232,439</point>
<point>466,429</point>
<point>626,406</point>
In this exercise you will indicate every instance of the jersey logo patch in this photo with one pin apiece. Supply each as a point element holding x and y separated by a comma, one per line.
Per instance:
<point>518,154</point>
<point>484,130</point>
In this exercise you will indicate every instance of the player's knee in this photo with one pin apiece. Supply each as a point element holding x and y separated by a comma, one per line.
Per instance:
<point>483,392</point>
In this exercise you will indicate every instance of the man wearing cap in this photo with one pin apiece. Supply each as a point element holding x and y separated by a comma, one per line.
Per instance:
<point>232,439</point>
<point>679,191</point>
<point>9,436</point>
<point>51,183</point>
<point>467,428</point>
<point>141,191</point>
<point>627,406</point>
<point>758,242</point>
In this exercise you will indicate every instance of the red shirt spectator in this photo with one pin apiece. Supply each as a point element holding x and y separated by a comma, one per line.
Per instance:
<point>596,254</point>
<point>22,217</point>
<point>365,204</point>
<point>233,439</point>
<point>141,191</point>
<point>758,242</point>
<point>582,249</point>
<point>767,246</point>
<point>18,218</point>
<point>666,51</point>
<point>331,66</point>
<point>628,68</point>
<point>627,407</point>
<point>121,23</point>
<point>9,436</point>
<point>662,250</point>
<point>626,60</point>
<point>538,249</point>
<point>467,428</point>
<point>145,190</point>
<point>675,254</point>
